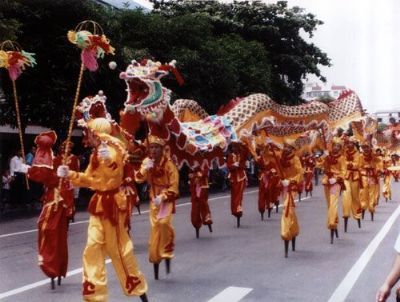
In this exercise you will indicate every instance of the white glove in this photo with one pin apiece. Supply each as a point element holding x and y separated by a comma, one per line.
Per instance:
<point>157,200</point>
<point>148,163</point>
<point>285,182</point>
<point>62,171</point>
<point>24,168</point>
<point>332,181</point>
<point>103,152</point>
<point>236,164</point>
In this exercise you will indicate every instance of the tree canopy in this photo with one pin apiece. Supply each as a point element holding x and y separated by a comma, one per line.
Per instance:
<point>223,51</point>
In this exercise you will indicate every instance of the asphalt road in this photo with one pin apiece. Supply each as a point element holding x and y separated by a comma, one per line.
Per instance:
<point>230,264</point>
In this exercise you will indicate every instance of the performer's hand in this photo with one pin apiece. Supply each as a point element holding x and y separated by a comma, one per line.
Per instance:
<point>62,171</point>
<point>24,168</point>
<point>148,163</point>
<point>326,152</point>
<point>285,182</point>
<point>103,152</point>
<point>332,180</point>
<point>157,200</point>
<point>383,293</point>
<point>236,164</point>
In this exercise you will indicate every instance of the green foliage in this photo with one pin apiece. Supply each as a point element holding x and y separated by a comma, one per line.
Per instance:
<point>222,50</point>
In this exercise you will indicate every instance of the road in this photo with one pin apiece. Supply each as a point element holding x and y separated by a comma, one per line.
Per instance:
<point>230,264</point>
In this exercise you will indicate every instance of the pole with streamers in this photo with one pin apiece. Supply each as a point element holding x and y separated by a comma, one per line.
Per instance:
<point>15,60</point>
<point>89,37</point>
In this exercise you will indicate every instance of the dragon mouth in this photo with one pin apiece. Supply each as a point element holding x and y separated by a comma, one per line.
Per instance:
<point>138,91</point>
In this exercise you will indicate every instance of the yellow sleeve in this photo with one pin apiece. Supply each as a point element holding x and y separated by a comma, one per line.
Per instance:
<point>106,176</point>
<point>298,170</point>
<point>172,189</point>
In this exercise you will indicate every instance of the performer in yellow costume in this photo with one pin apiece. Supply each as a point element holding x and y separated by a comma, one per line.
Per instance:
<point>387,177</point>
<point>351,196</point>
<point>291,173</point>
<point>334,168</point>
<point>163,177</point>
<point>369,179</point>
<point>107,230</point>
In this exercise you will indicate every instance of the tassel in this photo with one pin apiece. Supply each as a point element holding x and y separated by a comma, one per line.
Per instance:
<point>14,71</point>
<point>88,57</point>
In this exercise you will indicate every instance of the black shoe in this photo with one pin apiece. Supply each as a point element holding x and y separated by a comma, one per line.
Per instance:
<point>168,265</point>
<point>156,266</point>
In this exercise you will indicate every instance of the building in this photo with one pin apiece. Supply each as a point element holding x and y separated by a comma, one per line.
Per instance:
<point>384,116</point>
<point>130,4</point>
<point>314,91</point>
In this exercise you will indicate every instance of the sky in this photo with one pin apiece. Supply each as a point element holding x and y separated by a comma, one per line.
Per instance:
<point>362,38</point>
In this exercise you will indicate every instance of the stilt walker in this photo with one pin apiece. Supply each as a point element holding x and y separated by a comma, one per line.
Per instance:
<point>379,171</point>
<point>351,196</point>
<point>290,172</point>
<point>237,174</point>
<point>333,181</point>
<point>162,175</point>
<point>369,179</point>
<point>108,208</point>
<point>269,180</point>
<point>387,178</point>
<point>200,213</point>
<point>308,163</point>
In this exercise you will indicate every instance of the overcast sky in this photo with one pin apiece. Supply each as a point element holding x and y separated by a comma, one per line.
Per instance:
<point>362,37</point>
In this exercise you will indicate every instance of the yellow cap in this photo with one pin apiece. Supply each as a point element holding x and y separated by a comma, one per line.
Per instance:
<point>156,140</point>
<point>100,125</point>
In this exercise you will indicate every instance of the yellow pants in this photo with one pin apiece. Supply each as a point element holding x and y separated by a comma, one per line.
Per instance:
<point>103,240</point>
<point>289,225</point>
<point>332,194</point>
<point>368,194</point>
<point>387,190</point>
<point>351,199</point>
<point>162,234</point>
<point>377,191</point>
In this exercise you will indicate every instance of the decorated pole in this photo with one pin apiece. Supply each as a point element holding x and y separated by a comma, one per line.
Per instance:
<point>15,60</point>
<point>89,37</point>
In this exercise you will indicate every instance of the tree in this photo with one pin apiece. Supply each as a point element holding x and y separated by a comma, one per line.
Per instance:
<point>276,26</point>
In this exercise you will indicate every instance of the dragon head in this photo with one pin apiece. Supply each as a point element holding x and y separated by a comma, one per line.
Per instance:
<point>146,94</point>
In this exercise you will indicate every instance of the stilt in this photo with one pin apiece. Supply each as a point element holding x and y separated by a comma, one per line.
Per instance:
<point>262,216</point>
<point>209,228</point>
<point>359,223</point>
<point>310,193</point>
<point>372,216</point>
<point>299,197</point>
<point>294,244</point>
<point>197,233</point>
<point>386,199</point>
<point>138,208</point>
<point>269,212</point>
<point>156,266</point>
<point>168,265</point>
<point>277,207</point>
<point>143,298</point>
<point>332,235</point>
<point>286,248</point>
<point>52,283</point>
<point>336,233</point>
<point>59,280</point>
<point>238,222</point>
<point>346,220</point>
<point>306,193</point>
<point>362,214</point>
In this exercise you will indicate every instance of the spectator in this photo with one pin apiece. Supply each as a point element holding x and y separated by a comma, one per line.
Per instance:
<point>30,156</point>
<point>15,163</point>
<point>392,278</point>
<point>18,185</point>
<point>5,186</point>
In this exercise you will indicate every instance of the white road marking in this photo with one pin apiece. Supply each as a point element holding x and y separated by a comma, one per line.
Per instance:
<point>231,294</point>
<point>79,270</point>
<point>350,279</point>
<point>39,283</point>
<point>136,213</point>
